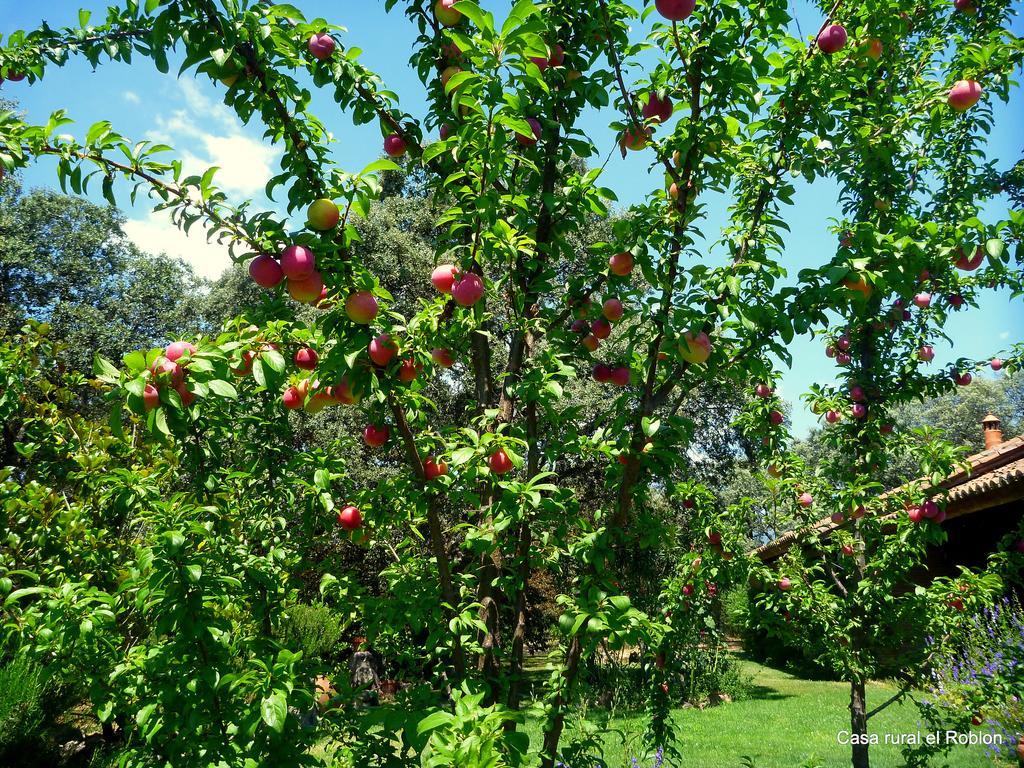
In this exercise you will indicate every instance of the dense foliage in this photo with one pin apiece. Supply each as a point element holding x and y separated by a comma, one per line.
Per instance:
<point>156,558</point>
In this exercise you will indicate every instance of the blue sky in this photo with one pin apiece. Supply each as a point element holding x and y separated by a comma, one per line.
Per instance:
<point>187,113</point>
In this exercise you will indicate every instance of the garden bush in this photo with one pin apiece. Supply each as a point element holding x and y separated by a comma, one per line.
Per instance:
<point>315,630</point>
<point>22,693</point>
<point>154,557</point>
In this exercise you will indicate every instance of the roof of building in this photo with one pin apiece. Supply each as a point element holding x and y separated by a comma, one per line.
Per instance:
<point>991,478</point>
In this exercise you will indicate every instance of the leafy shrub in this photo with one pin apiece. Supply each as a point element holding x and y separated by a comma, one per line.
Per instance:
<point>735,611</point>
<point>977,679</point>
<point>313,629</point>
<point>22,688</point>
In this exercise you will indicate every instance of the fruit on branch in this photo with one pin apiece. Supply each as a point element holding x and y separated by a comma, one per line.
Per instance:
<point>832,417</point>
<point>321,46</point>
<point>579,325</point>
<point>859,410</point>
<point>343,393</point>
<point>176,349</point>
<point>675,10</point>
<point>915,513</point>
<point>173,371</point>
<point>785,584</point>
<point>350,518</point>
<point>691,191</point>
<point>965,6</point>
<point>926,353</point>
<point>446,14</point>
<point>963,379</point>
<point>245,366</point>
<point>956,604</point>
<point>293,398</point>
<point>382,349</point>
<point>635,138</point>
<point>970,263</point>
<point>499,462</point>
<point>613,310</point>
<point>859,284</point>
<point>832,39</point>
<point>13,76</point>
<point>443,277</point>
<point>187,397</point>
<point>621,264</point>
<point>433,469</point>
<point>297,262</point>
<point>602,373</point>
<point>763,391</point>
<point>805,500</point>
<point>964,94</point>
<point>873,48</point>
<point>843,358</point>
<point>688,590</point>
<point>956,301</point>
<point>361,307</point>
<point>601,328</point>
<point>858,394</point>
<point>265,271</point>
<point>695,348</point>
<point>448,73</point>
<point>590,342</point>
<point>308,289</point>
<point>320,400</point>
<point>922,300</point>
<point>996,364</point>
<point>838,518</point>
<point>468,289</point>
<point>930,509</point>
<point>775,418</point>
<point>323,215</point>
<point>446,131</point>
<point>306,359</point>
<point>535,133</point>
<point>442,357</point>
<point>830,352</point>
<point>657,109</point>
<point>376,435</point>
<point>620,376</point>
<point>843,342</point>
<point>1019,546</point>
<point>394,145</point>
<point>150,397</point>
<point>408,370</point>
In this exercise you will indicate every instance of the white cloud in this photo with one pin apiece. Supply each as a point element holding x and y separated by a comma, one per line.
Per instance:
<point>131,97</point>
<point>245,164</point>
<point>156,234</point>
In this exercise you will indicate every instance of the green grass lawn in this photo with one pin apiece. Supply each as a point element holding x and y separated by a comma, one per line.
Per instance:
<point>787,721</point>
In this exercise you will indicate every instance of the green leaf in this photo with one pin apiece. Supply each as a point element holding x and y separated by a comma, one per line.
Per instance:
<point>135,361</point>
<point>433,720</point>
<point>996,249</point>
<point>462,455</point>
<point>105,370</point>
<point>383,164</point>
<point>274,359</point>
<point>274,710</point>
<point>223,388</point>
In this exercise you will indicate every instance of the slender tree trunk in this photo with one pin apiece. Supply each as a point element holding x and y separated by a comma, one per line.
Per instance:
<point>859,723</point>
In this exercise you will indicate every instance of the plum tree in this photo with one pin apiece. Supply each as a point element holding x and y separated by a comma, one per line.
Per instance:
<point>525,304</point>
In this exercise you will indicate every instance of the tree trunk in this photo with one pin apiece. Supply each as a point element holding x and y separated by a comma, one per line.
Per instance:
<point>859,724</point>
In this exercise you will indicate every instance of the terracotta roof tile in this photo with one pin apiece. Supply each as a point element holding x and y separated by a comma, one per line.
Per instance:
<point>993,476</point>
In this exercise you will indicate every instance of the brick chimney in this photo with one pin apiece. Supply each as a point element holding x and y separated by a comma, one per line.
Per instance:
<point>993,434</point>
